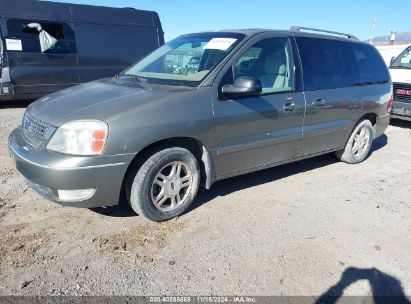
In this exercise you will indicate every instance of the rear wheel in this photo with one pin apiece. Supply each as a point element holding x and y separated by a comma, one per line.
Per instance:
<point>358,145</point>
<point>165,185</point>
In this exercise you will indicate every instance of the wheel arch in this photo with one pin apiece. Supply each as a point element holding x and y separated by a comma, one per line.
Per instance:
<point>203,156</point>
<point>372,117</point>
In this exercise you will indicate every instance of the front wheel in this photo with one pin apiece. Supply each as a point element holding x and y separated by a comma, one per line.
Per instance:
<point>359,143</point>
<point>165,185</point>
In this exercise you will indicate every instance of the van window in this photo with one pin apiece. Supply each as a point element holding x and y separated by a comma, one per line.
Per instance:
<point>369,66</point>
<point>323,63</point>
<point>329,64</point>
<point>403,61</point>
<point>269,61</point>
<point>18,29</point>
<point>115,39</point>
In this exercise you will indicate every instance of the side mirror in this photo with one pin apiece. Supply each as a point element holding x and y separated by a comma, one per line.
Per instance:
<point>392,60</point>
<point>243,86</point>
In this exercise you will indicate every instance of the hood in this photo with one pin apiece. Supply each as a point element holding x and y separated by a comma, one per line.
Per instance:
<point>401,75</point>
<point>99,99</point>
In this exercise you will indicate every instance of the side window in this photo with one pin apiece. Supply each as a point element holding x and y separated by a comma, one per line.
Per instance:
<point>270,61</point>
<point>329,64</point>
<point>62,32</point>
<point>370,67</point>
<point>405,57</point>
<point>326,63</point>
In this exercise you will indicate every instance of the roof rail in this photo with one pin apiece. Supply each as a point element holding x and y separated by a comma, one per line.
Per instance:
<point>299,28</point>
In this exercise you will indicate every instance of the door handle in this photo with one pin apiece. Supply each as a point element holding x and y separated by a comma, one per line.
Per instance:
<point>319,102</point>
<point>289,106</point>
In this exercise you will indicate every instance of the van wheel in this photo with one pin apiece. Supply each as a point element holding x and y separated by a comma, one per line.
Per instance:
<point>165,185</point>
<point>359,144</point>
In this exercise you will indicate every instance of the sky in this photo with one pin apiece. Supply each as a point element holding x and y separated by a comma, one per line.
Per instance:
<point>348,16</point>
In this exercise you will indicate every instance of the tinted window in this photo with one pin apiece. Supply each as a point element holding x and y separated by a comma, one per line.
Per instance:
<point>369,67</point>
<point>18,29</point>
<point>270,61</point>
<point>329,64</point>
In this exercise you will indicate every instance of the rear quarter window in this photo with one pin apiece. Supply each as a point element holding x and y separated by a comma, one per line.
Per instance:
<point>329,64</point>
<point>369,66</point>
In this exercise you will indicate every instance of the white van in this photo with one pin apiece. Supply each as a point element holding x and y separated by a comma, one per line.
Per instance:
<point>400,70</point>
<point>388,52</point>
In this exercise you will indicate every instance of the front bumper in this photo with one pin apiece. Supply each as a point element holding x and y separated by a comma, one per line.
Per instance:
<point>47,172</point>
<point>401,110</point>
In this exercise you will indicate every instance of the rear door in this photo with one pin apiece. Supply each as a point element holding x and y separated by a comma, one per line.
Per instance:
<point>255,131</point>
<point>332,101</point>
<point>36,72</point>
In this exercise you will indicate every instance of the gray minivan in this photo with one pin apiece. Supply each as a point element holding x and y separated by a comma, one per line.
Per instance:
<point>258,99</point>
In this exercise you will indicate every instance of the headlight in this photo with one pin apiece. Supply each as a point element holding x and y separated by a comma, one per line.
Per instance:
<point>80,138</point>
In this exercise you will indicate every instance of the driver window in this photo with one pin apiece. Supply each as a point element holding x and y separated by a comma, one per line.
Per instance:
<point>270,61</point>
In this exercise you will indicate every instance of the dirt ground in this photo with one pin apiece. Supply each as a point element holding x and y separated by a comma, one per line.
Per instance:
<point>315,227</point>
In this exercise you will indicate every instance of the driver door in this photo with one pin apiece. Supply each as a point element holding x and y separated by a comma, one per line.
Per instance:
<point>260,130</point>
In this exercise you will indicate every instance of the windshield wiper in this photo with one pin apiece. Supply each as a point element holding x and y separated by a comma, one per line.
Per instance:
<point>132,76</point>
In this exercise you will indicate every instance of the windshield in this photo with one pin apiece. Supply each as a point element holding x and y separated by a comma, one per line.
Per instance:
<point>186,60</point>
<point>403,60</point>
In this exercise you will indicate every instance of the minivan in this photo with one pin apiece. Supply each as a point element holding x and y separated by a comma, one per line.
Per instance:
<point>48,46</point>
<point>400,70</point>
<point>258,99</point>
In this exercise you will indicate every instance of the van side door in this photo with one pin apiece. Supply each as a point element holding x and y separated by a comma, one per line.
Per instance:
<point>264,129</point>
<point>332,106</point>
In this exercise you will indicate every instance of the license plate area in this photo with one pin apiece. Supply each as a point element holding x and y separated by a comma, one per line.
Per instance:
<point>401,111</point>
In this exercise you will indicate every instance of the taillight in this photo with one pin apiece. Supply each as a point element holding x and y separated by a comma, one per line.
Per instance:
<point>389,105</point>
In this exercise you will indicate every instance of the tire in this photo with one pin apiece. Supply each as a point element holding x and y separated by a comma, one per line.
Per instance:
<point>165,185</point>
<point>358,145</point>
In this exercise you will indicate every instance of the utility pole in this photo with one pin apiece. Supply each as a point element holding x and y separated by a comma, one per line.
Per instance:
<point>393,35</point>
<point>373,27</point>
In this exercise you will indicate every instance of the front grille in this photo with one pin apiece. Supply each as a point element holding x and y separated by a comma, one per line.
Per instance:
<point>406,88</point>
<point>36,131</point>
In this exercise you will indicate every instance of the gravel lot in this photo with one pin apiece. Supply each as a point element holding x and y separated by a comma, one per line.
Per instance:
<point>310,228</point>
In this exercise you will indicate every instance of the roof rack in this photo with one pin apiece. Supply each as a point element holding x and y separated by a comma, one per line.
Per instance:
<point>299,28</point>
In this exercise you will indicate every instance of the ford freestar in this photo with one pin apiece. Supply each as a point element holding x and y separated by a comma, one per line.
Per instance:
<point>256,99</point>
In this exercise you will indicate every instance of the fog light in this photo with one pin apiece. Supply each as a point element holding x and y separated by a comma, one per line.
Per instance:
<point>75,195</point>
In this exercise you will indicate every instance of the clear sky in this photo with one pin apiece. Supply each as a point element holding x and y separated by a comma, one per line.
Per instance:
<point>350,16</point>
